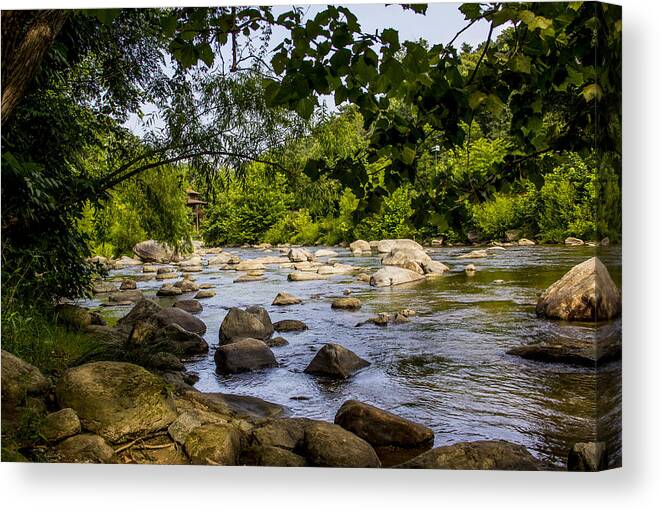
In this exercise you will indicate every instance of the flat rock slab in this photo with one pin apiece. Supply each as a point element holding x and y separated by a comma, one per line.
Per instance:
<point>236,405</point>
<point>584,352</point>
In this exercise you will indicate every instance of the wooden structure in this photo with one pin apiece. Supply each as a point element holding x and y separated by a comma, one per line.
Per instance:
<point>195,204</point>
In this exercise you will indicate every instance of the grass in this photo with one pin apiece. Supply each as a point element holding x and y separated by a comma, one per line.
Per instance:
<point>32,334</point>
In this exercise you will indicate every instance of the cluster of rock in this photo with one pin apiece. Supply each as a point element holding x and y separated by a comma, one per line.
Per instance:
<point>403,260</point>
<point>118,412</point>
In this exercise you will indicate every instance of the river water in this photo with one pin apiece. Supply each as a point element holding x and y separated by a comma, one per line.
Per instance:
<point>447,368</point>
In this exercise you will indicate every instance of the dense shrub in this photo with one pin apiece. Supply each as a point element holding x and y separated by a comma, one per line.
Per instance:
<point>246,211</point>
<point>568,200</point>
<point>506,211</point>
<point>393,219</point>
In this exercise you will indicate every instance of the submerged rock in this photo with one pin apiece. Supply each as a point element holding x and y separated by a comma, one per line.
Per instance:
<point>192,306</point>
<point>585,352</point>
<point>474,254</point>
<point>117,400</point>
<point>336,361</point>
<point>289,325</point>
<point>584,293</point>
<point>479,455</point>
<point>244,355</point>
<point>381,428</point>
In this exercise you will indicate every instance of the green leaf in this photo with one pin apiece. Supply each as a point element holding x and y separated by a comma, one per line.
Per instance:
<point>206,54</point>
<point>520,64</point>
<point>279,62</point>
<point>391,37</point>
<point>305,107</point>
<point>475,99</point>
<point>105,16</point>
<point>408,155</point>
<point>471,11</point>
<point>592,91</point>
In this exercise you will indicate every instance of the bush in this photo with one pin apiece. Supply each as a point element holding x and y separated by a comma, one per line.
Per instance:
<point>505,212</point>
<point>568,201</point>
<point>295,227</point>
<point>393,219</point>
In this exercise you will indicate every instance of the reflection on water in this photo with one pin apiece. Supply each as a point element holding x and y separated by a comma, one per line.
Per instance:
<point>448,367</point>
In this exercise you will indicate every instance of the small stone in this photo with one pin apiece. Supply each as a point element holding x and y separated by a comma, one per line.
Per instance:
<point>60,425</point>
<point>192,306</point>
<point>168,290</point>
<point>347,303</point>
<point>588,457</point>
<point>128,284</point>
<point>289,325</point>
<point>283,298</point>
<point>205,293</point>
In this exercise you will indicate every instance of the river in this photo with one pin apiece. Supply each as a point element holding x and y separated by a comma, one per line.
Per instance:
<point>447,368</point>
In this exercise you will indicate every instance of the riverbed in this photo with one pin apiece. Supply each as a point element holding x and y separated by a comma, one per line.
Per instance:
<point>447,368</point>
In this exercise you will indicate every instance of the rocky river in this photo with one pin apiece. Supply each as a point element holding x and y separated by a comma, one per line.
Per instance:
<point>447,367</point>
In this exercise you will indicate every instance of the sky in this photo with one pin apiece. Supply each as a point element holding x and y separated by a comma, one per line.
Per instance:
<point>440,24</point>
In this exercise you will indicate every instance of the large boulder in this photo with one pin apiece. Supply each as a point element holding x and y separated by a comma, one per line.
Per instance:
<point>151,251</point>
<point>174,339</point>
<point>213,444</point>
<point>584,293</point>
<point>360,246</point>
<point>177,316</point>
<point>386,246</point>
<point>84,448</point>
<point>224,258</point>
<point>251,322</point>
<point>244,355</point>
<point>403,256</point>
<point>77,317</point>
<point>143,311</point>
<point>587,457</point>
<point>335,361</point>
<point>191,305</point>
<point>478,455</point>
<point>325,253</point>
<point>297,255</point>
<point>381,428</point>
<point>20,381</point>
<point>393,276</point>
<point>117,400</point>
<point>329,445</point>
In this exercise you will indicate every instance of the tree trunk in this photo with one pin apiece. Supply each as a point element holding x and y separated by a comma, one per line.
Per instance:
<point>26,38</point>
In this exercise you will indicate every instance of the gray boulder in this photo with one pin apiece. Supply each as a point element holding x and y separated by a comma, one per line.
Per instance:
<point>584,293</point>
<point>83,448</point>
<point>151,251</point>
<point>381,428</point>
<point>393,276</point>
<point>329,445</point>
<point>252,322</point>
<point>60,425</point>
<point>244,355</point>
<point>192,306</point>
<point>117,400</point>
<point>335,361</point>
<point>386,246</point>
<point>185,320</point>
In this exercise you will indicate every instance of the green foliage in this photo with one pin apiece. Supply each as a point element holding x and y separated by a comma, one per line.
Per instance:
<point>506,211</point>
<point>568,200</point>
<point>294,227</point>
<point>243,212</point>
<point>31,333</point>
<point>393,220</point>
